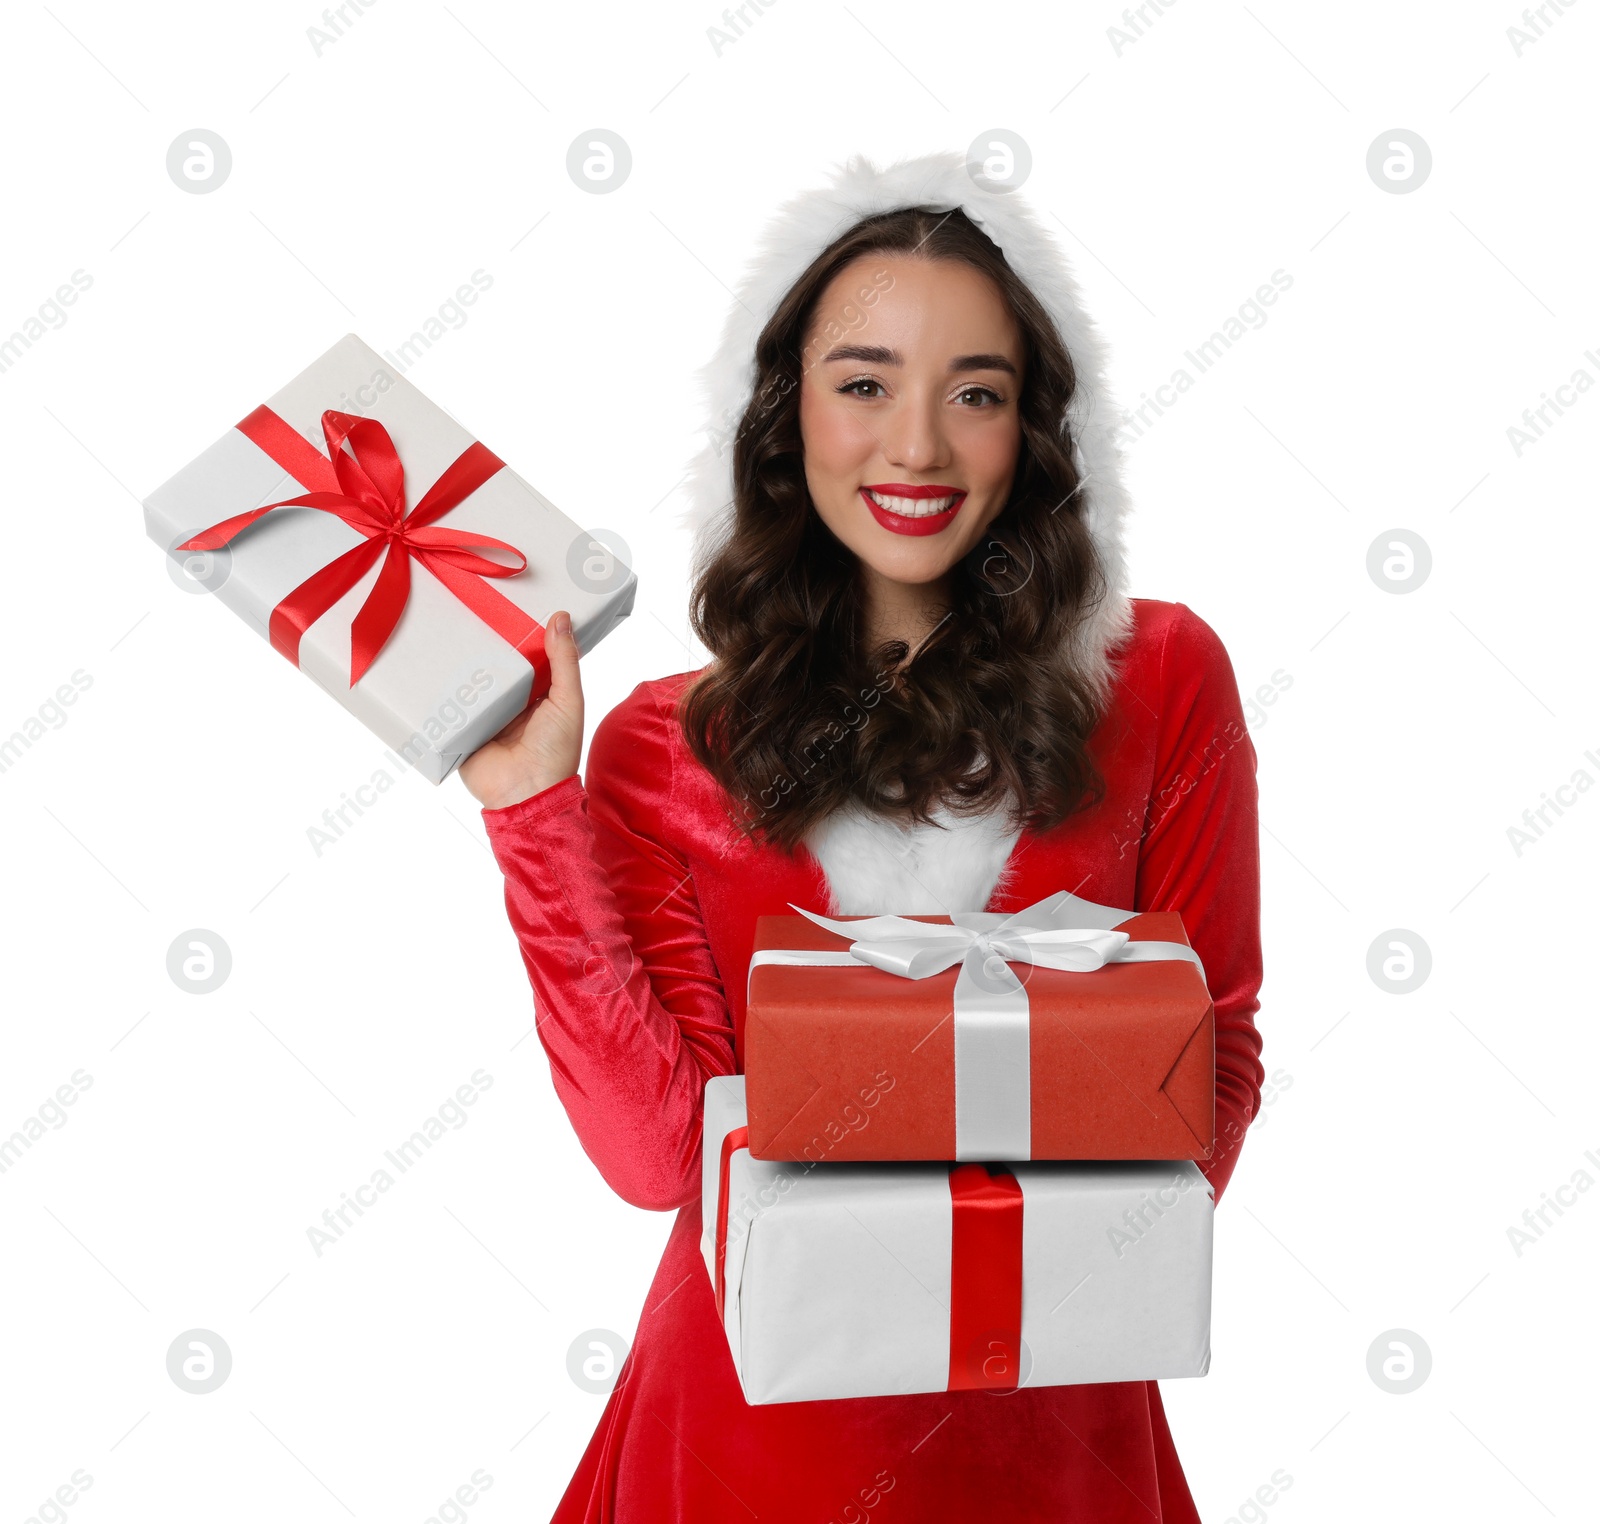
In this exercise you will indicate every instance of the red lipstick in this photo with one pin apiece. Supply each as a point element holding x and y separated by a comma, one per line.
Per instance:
<point>906,523</point>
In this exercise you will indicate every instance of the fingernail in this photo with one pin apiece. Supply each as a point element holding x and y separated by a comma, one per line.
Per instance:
<point>562,624</point>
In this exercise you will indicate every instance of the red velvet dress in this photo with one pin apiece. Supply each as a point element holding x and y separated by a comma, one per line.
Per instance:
<point>635,904</point>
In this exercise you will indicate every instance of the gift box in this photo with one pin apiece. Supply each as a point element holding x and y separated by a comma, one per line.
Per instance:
<point>1068,1030</point>
<point>396,560</point>
<point>867,1280</point>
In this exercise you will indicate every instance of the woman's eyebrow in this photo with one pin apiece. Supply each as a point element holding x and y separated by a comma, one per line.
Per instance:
<point>878,354</point>
<point>983,362</point>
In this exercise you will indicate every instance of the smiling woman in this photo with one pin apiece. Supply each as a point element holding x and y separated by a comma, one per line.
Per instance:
<point>896,508</point>
<point>928,692</point>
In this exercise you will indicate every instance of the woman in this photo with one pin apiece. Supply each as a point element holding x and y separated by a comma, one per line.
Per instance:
<point>928,692</point>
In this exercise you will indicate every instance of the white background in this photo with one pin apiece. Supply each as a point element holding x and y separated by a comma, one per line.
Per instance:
<point>1404,1133</point>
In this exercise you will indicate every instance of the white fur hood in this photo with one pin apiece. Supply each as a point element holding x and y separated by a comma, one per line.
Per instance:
<point>872,867</point>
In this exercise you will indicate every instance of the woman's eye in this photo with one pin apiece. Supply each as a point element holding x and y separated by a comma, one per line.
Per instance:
<point>981,391</point>
<point>850,386</point>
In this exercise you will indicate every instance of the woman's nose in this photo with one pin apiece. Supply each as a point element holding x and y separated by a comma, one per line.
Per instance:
<point>913,436</point>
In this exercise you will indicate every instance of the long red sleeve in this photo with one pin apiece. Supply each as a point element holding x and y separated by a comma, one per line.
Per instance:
<point>1200,856</point>
<point>632,1012</point>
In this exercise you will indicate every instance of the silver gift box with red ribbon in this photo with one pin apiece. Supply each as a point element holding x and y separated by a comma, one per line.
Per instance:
<point>392,557</point>
<point>867,1280</point>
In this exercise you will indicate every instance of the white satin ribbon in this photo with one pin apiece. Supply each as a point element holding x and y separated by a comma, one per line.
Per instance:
<point>993,1079</point>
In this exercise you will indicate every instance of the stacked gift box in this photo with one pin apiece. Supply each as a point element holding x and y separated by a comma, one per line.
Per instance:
<point>961,1154</point>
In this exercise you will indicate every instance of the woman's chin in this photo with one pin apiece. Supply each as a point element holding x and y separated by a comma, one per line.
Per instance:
<point>914,565</point>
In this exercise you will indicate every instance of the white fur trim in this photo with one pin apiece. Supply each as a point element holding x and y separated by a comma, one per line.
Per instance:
<point>876,866</point>
<point>807,224</point>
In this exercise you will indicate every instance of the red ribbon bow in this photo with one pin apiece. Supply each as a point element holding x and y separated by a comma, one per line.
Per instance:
<point>985,1269</point>
<point>365,486</point>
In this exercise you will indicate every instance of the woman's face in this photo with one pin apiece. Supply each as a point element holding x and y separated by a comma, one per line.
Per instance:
<point>908,411</point>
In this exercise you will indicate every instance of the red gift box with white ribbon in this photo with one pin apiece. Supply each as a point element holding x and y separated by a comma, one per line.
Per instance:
<point>1064,1030</point>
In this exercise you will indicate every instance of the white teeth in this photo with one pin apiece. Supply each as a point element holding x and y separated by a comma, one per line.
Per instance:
<point>912,507</point>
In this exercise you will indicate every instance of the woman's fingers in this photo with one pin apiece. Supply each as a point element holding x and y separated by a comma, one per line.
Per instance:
<point>566,690</point>
<point>553,740</point>
<point>543,744</point>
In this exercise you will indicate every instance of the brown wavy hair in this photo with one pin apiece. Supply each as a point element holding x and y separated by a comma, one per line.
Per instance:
<point>792,715</point>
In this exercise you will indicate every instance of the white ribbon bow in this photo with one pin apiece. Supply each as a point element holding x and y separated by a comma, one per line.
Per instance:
<point>992,1061</point>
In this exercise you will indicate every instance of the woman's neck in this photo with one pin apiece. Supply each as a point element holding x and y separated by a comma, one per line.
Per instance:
<point>902,610</point>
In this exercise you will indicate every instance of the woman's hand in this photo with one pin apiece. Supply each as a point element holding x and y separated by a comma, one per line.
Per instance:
<point>542,745</point>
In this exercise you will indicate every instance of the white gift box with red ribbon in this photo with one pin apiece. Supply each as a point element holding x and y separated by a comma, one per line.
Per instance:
<point>368,571</point>
<point>868,1280</point>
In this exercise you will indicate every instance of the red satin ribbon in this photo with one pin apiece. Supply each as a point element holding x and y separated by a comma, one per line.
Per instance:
<point>985,1269</point>
<point>985,1278</point>
<point>365,487</point>
<point>735,1140</point>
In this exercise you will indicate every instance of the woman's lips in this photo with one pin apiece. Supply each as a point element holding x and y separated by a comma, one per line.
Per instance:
<point>919,513</point>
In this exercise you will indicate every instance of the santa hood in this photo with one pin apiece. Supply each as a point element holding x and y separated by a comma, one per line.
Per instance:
<point>805,225</point>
